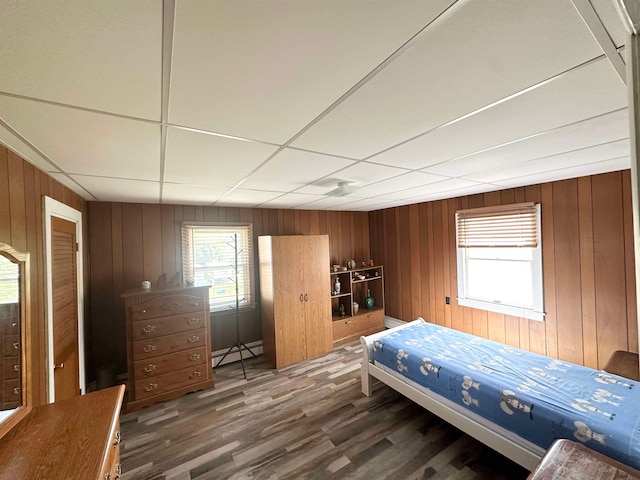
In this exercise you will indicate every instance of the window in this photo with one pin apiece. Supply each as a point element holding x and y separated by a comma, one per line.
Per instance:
<point>220,255</point>
<point>499,255</point>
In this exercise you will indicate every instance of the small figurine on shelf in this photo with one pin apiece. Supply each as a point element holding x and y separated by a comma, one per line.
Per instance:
<point>336,286</point>
<point>342,312</point>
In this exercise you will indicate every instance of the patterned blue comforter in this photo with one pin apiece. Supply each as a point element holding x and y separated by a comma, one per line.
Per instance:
<point>538,398</point>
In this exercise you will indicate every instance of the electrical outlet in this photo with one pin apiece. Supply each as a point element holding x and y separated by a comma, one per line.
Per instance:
<point>447,300</point>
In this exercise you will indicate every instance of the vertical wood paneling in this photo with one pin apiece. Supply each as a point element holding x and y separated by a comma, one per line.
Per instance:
<point>608,241</point>
<point>567,262</point>
<point>132,240</point>
<point>152,243</point>
<point>588,270</point>
<point>21,189</point>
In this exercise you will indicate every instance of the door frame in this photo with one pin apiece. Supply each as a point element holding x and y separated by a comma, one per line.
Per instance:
<point>54,208</point>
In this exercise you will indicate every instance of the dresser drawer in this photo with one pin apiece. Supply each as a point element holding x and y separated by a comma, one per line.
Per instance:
<point>11,390</point>
<point>11,368</point>
<point>155,327</point>
<point>10,325</point>
<point>155,366</point>
<point>153,347</point>
<point>354,327</point>
<point>167,305</point>
<point>171,381</point>
<point>10,346</point>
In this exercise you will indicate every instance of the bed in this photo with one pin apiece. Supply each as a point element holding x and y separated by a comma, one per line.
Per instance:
<point>514,401</point>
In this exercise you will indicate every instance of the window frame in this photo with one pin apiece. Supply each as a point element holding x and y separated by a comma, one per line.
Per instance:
<point>537,279</point>
<point>247,264</point>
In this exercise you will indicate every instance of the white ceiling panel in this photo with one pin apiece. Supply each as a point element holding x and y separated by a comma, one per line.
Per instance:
<point>608,13</point>
<point>308,168</point>
<point>200,159</point>
<point>119,189</point>
<point>401,182</point>
<point>246,198</point>
<point>438,80</point>
<point>331,203</point>
<point>289,200</point>
<point>585,92</point>
<point>364,173</point>
<point>191,194</point>
<point>104,55</point>
<point>433,188</point>
<point>571,172</point>
<point>576,136</point>
<point>583,156</point>
<point>263,70</point>
<point>18,146</point>
<point>87,143</point>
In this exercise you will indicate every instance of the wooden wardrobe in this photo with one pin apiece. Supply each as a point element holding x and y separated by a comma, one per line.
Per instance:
<point>295,297</point>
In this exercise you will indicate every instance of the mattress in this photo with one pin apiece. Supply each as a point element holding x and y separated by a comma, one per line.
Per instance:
<point>538,398</point>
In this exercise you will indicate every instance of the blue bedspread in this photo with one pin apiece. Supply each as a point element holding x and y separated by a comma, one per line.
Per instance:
<point>536,397</point>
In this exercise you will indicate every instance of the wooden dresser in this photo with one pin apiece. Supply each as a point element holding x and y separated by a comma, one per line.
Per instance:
<point>72,439</point>
<point>168,343</point>
<point>10,356</point>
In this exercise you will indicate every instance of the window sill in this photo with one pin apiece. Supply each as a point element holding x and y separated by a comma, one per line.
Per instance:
<point>505,309</point>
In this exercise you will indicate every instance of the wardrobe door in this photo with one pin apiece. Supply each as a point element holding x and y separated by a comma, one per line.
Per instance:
<point>288,305</point>
<point>317,302</point>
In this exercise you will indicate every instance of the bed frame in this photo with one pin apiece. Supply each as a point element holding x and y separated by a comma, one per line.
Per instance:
<point>522,452</point>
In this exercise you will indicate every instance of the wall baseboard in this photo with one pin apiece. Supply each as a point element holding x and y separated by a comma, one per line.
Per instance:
<point>234,356</point>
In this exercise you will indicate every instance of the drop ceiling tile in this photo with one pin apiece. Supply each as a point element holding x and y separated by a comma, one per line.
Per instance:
<point>454,69</point>
<point>291,169</point>
<point>191,194</point>
<point>106,189</point>
<point>401,182</point>
<point>87,143</point>
<point>608,13</point>
<point>571,172</point>
<point>200,159</point>
<point>560,161</point>
<point>291,200</point>
<point>358,175</point>
<point>443,188</point>
<point>582,93</point>
<point>246,198</point>
<point>267,69</point>
<point>101,55</point>
<point>72,184</point>
<point>18,146</point>
<point>330,203</point>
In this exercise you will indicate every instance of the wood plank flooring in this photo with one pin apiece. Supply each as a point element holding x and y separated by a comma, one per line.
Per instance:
<point>309,420</point>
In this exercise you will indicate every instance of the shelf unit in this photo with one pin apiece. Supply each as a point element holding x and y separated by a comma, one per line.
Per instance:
<point>353,289</point>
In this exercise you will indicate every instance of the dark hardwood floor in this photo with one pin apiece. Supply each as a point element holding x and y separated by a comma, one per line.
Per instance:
<point>309,420</point>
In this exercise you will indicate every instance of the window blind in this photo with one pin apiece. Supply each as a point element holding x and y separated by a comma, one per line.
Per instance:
<point>502,226</point>
<point>220,255</point>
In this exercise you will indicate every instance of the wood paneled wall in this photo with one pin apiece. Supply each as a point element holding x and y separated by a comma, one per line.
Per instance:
<point>588,268</point>
<point>134,242</point>
<point>22,187</point>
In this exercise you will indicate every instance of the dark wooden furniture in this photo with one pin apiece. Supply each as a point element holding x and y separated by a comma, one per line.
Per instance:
<point>168,343</point>
<point>354,288</point>
<point>10,355</point>
<point>624,364</point>
<point>568,459</point>
<point>72,439</point>
<point>294,287</point>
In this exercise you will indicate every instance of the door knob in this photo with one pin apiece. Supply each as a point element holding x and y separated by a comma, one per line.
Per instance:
<point>58,366</point>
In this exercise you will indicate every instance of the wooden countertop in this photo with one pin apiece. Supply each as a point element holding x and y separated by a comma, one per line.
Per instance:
<point>70,439</point>
<point>567,459</point>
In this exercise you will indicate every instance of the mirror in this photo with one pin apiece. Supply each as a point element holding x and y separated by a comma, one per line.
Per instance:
<point>14,309</point>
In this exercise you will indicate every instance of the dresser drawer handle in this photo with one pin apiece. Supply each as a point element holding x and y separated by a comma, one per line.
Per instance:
<point>151,387</point>
<point>149,329</point>
<point>150,368</point>
<point>117,438</point>
<point>348,322</point>
<point>149,348</point>
<point>193,321</point>
<point>16,345</point>
<point>195,374</point>
<point>194,356</point>
<point>16,367</point>
<point>14,324</point>
<point>118,470</point>
<point>194,339</point>
<point>107,476</point>
<point>144,310</point>
<point>196,304</point>
<point>16,390</point>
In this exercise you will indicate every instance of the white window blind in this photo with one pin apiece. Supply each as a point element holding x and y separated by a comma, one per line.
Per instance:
<point>502,226</point>
<point>220,255</point>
